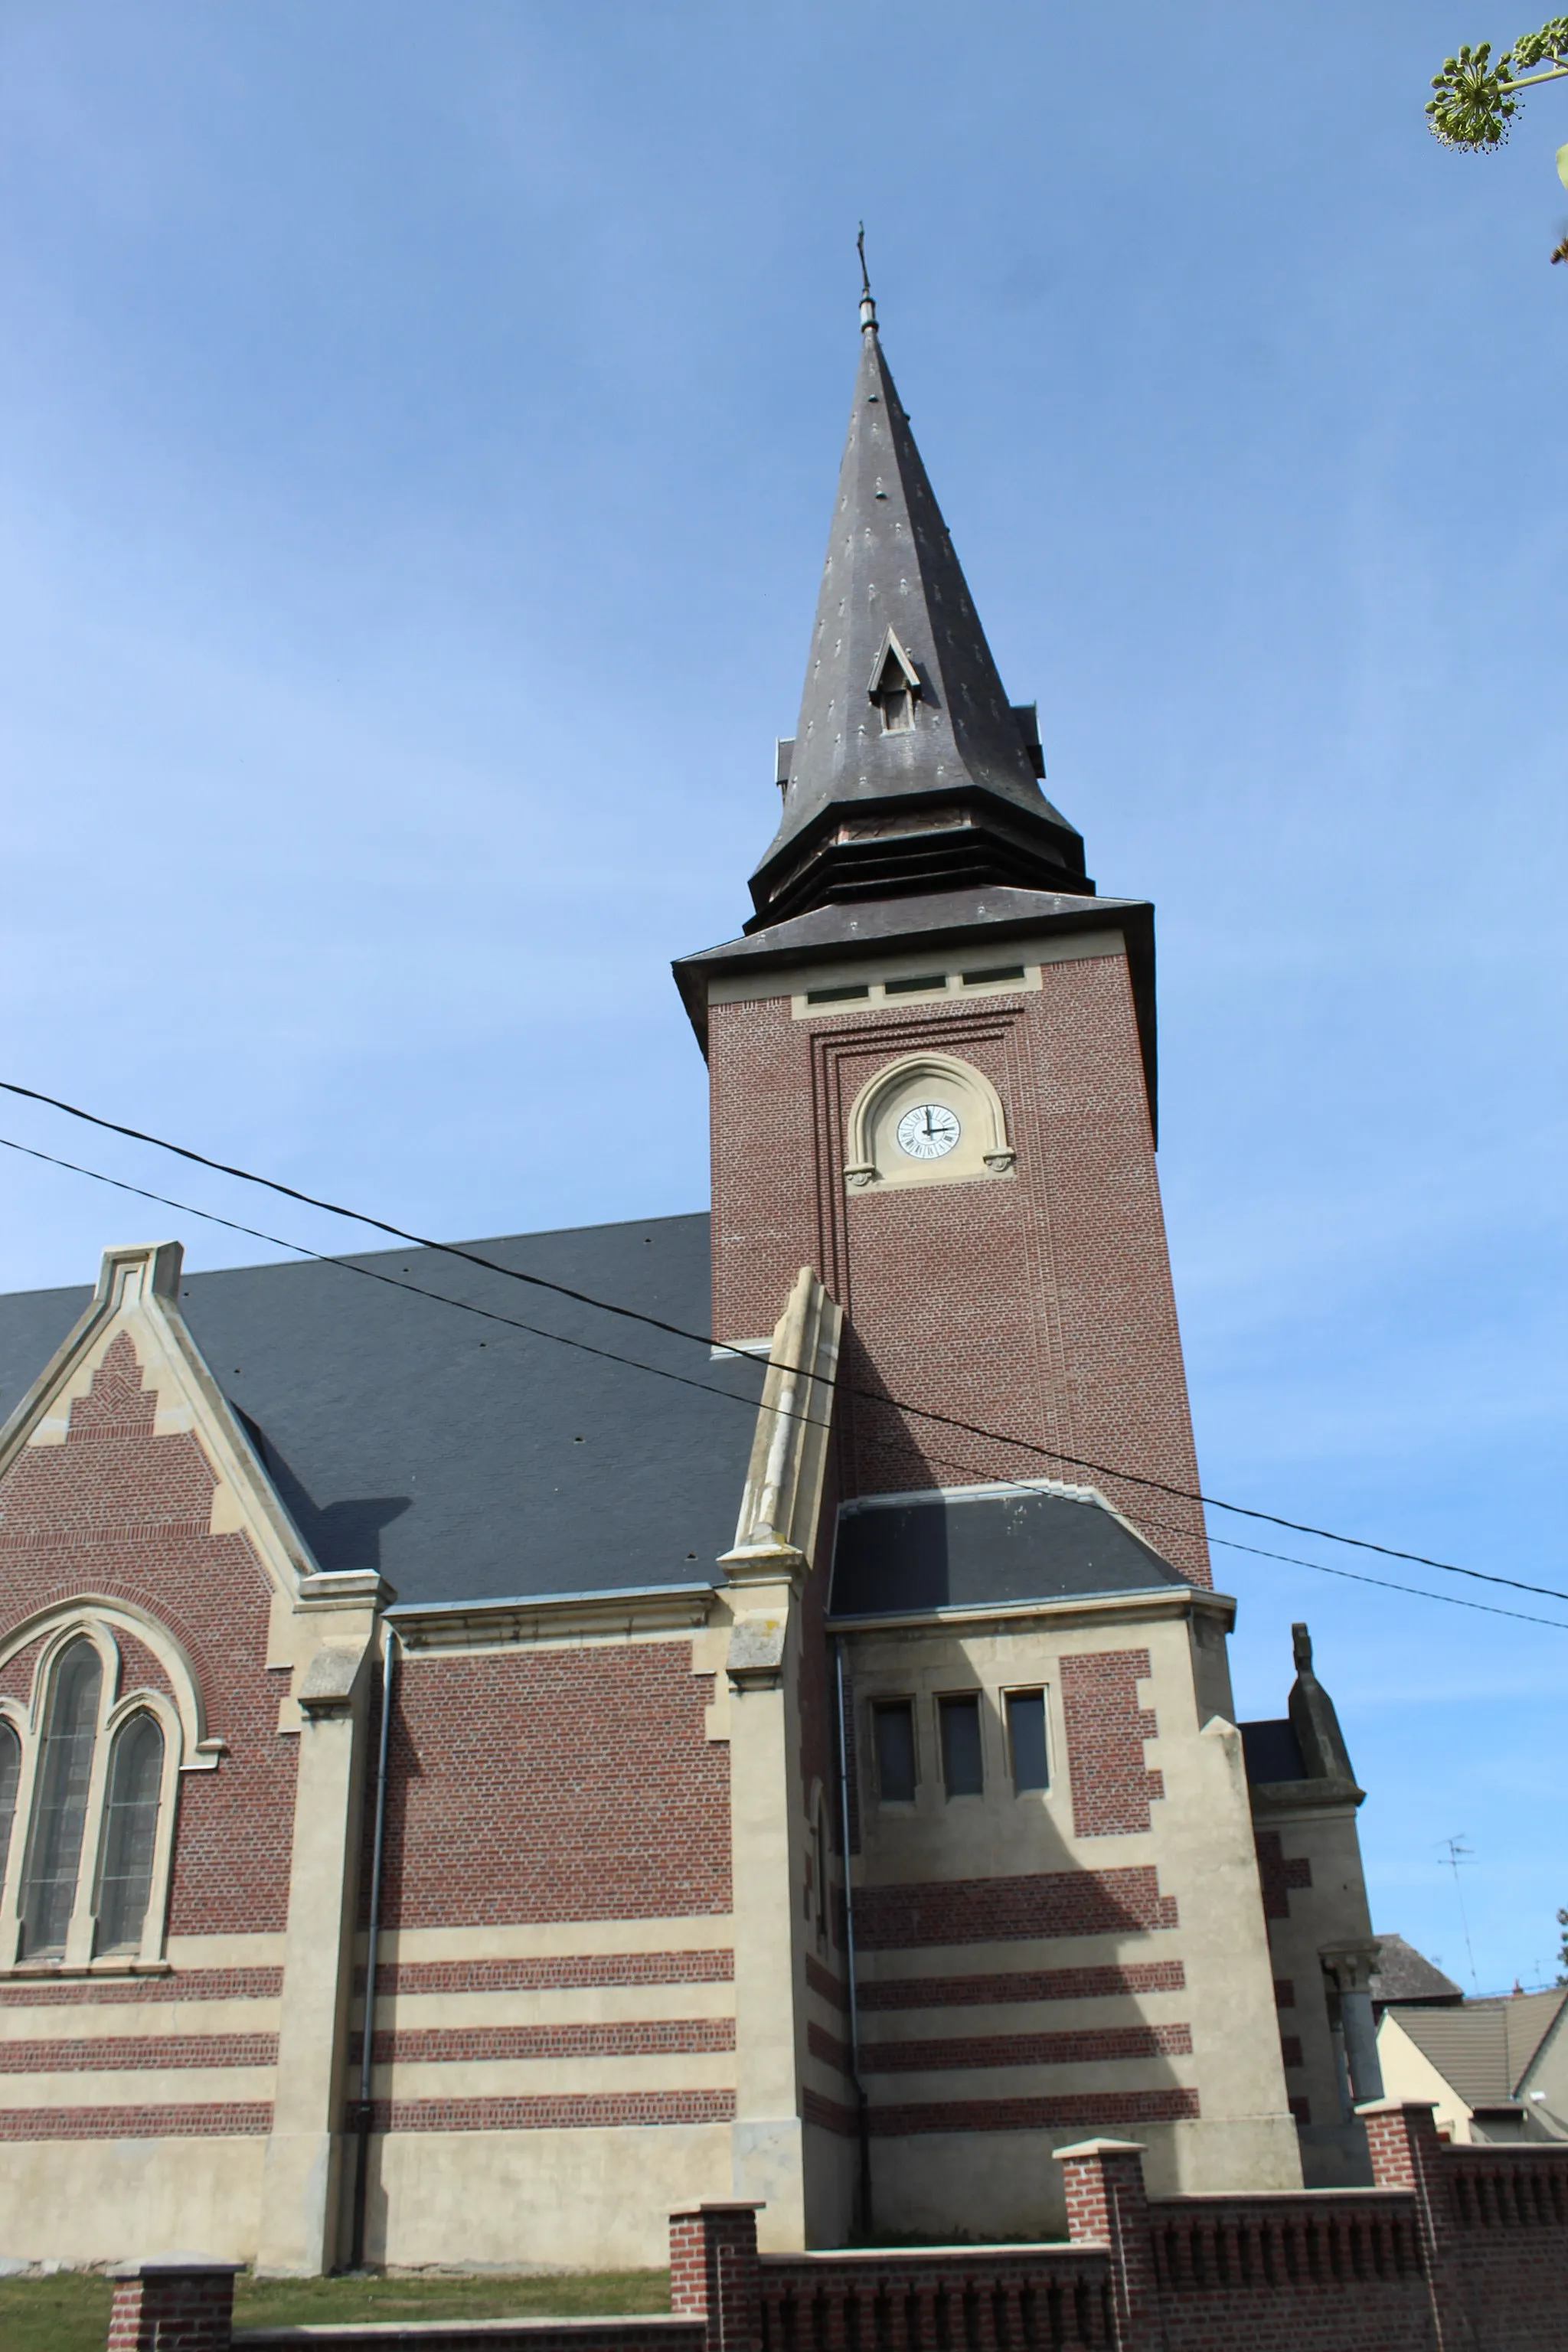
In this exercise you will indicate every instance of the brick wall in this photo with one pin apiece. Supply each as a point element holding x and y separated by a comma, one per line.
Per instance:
<point>1106,1729</point>
<point>1051,1289</point>
<point>554,1784</point>
<point>1003,1910</point>
<point>119,1511</point>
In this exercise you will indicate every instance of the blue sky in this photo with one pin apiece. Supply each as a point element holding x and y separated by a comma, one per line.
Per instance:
<point>417,435</point>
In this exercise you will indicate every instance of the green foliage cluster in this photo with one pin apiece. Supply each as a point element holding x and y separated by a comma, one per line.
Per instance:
<point>1474,102</point>
<point>1562,1954</point>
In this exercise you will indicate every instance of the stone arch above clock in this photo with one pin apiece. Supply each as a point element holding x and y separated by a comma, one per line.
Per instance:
<point>923,1094</point>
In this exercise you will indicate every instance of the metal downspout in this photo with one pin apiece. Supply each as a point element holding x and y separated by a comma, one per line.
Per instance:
<point>861,2119</point>
<point>378,1839</point>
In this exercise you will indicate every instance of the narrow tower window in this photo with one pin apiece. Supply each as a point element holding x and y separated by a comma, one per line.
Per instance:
<point>1026,1738</point>
<point>894,1723</point>
<point>10,1773</point>
<point>129,1835</point>
<point>898,711</point>
<point>960,1766</point>
<point>66,1770</point>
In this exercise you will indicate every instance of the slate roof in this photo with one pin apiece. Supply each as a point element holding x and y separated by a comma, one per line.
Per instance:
<point>890,566</point>
<point>1272,1751</point>
<point>445,1450</point>
<point>1486,2049</point>
<point>973,1548</point>
<point>1404,1974</point>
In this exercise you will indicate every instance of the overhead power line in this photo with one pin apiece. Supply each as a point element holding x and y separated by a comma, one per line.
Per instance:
<point>682,1379</point>
<point>699,1338</point>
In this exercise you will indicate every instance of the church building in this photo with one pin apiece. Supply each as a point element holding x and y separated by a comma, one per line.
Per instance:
<point>731,1706</point>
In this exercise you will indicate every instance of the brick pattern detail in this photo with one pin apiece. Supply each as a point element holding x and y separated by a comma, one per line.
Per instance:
<point>556,1784</point>
<point>1108,2044</point>
<point>628,2038</point>
<point>1277,1877</point>
<point>1036,1984</point>
<point>1290,2050</point>
<point>1083,2110</point>
<point>826,1985</point>
<point>1012,1910</point>
<point>1301,2108</point>
<point>569,2111</point>
<point>170,2310</point>
<point>216,2119</point>
<point>185,1984</point>
<point>551,1974</point>
<point>142,2050</point>
<point>1284,1993</point>
<point>1053,1287</point>
<point>1106,1729</point>
<point>826,2048</point>
<point>121,1512</point>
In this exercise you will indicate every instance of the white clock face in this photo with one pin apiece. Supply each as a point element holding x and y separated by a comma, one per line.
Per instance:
<point>928,1132</point>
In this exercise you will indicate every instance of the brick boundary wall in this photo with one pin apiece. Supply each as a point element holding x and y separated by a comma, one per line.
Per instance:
<point>175,2305</point>
<point>1455,2250</point>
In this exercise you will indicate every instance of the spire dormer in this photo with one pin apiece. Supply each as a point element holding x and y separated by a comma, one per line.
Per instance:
<point>909,770</point>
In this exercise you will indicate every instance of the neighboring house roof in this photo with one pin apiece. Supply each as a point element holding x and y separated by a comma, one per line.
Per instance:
<point>1485,2049</point>
<point>1404,1974</point>
<point>972,1547</point>
<point>464,1460</point>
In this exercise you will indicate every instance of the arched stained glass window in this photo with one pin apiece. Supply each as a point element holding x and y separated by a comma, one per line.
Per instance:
<point>130,1833</point>
<point>10,1773</point>
<point>66,1770</point>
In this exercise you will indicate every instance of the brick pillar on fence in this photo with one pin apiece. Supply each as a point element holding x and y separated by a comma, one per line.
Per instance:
<point>1406,2153</point>
<point>178,2303</point>
<point>1109,2206</point>
<point>713,2273</point>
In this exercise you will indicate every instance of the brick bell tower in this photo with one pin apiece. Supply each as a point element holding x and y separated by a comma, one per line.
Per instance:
<point>932,1055</point>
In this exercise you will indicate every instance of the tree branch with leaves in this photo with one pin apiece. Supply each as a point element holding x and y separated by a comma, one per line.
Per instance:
<point>1475,98</point>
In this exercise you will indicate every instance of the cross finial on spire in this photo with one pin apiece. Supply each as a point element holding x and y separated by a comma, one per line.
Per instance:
<point>867,307</point>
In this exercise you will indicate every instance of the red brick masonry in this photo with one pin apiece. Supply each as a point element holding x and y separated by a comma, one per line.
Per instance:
<point>228,2119</point>
<point>138,2050</point>
<point>554,1974</point>
<point>567,2110</point>
<point>1085,2045</point>
<point>1277,1877</point>
<point>1106,1729</point>
<point>1036,1984</point>
<point>181,1984</point>
<point>120,1512</point>
<point>1007,1910</point>
<point>630,2037</point>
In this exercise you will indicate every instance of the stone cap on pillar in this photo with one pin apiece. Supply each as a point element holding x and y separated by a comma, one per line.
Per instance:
<point>1396,2106</point>
<point>153,2265</point>
<point>719,2205</point>
<point>1098,2148</point>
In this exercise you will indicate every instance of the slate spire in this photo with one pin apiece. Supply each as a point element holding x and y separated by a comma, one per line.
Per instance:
<point>909,770</point>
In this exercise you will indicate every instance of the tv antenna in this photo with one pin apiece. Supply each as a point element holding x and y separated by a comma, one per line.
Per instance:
<point>1459,1856</point>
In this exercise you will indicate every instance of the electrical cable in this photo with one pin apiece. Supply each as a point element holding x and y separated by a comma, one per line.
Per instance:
<point>679,1331</point>
<point>660,1371</point>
